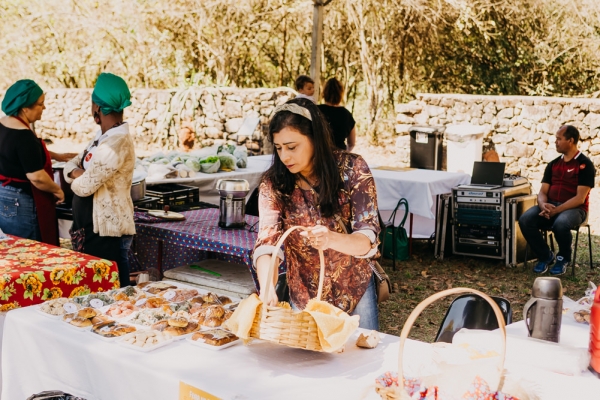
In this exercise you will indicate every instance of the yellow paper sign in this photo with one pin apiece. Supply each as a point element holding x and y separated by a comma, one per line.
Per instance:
<point>188,392</point>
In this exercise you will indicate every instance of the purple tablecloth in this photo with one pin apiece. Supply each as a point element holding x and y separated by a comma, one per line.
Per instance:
<point>197,238</point>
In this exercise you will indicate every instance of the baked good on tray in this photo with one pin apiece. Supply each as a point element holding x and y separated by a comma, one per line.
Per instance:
<point>121,309</point>
<point>212,316</point>
<point>179,295</point>
<point>112,329</point>
<point>215,337</point>
<point>147,338</point>
<point>56,306</point>
<point>155,287</point>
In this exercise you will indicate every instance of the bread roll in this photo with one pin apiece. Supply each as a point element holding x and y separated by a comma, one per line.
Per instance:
<point>81,322</point>
<point>178,322</point>
<point>87,312</point>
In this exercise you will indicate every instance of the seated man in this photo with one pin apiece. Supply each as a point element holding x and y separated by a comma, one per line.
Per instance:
<point>563,202</point>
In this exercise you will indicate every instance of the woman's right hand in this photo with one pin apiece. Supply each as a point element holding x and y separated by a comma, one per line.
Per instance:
<point>59,196</point>
<point>269,297</point>
<point>76,173</point>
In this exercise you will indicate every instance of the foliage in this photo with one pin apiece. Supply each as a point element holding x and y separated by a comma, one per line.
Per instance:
<point>384,51</point>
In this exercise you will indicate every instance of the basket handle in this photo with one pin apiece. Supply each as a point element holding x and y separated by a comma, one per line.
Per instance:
<point>276,250</point>
<point>430,300</point>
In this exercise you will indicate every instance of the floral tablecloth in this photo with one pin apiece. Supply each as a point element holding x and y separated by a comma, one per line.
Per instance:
<point>32,272</point>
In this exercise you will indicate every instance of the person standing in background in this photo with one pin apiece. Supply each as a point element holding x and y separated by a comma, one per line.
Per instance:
<point>101,178</point>
<point>28,194</point>
<point>341,121</point>
<point>305,87</point>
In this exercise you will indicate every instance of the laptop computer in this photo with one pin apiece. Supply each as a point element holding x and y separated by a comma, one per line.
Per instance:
<point>486,175</point>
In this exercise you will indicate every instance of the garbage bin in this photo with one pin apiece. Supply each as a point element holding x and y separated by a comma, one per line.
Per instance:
<point>464,145</point>
<point>426,147</point>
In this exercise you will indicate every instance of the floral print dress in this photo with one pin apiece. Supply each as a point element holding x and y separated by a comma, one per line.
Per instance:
<point>346,277</point>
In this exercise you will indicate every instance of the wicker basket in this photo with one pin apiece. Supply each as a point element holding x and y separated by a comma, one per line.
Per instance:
<point>283,325</point>
<point>398,392</point>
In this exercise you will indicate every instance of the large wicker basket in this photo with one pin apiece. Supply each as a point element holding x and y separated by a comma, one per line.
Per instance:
<point>283,325</point>
<point>398,392</point>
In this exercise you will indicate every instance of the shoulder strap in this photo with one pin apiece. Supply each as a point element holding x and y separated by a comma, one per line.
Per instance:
<point>392,218</point>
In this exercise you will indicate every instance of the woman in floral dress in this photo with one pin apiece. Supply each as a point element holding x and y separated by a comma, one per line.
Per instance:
<point>331,191</point>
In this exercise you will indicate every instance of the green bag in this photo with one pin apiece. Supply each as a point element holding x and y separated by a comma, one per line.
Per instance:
<point>395,240</point>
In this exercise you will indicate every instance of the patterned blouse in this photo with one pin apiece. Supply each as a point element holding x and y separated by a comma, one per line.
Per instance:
<point>346,277</point>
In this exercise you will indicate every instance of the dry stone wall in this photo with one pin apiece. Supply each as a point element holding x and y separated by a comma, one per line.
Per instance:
<point>521,128</point>
<point>157,117</point>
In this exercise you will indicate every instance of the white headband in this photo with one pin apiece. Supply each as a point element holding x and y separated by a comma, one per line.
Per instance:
<point>293,108</point>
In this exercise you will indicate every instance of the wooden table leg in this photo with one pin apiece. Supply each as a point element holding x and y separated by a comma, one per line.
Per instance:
<point>410,235</point>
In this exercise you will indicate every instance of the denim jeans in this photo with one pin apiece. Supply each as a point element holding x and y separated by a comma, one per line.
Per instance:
<point>17,213</point>
<point>366,308</point>
<point>561,225</point>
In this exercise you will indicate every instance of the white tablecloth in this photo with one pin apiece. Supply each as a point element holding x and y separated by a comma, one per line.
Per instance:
<point>207,182</point>
<point>40,353</point>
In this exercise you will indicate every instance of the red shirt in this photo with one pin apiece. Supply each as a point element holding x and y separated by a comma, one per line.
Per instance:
<point>564,177</point>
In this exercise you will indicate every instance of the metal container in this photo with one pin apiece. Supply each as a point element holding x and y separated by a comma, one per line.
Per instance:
<point>232,204</point>
<point>237,188</point>
<point>138,190</point>
<point>543,312</point>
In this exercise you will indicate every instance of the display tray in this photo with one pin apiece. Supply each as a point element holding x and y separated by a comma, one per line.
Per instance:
<point>39,310</point>
<point>78,328</point>
<point>122,342</point>
<point>172,194</point>
<point>201,344</point>
<point>114,338</point>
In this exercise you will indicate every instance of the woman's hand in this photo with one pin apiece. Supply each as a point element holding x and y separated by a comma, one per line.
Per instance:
<point>269,296</point>
<point>318,236</point>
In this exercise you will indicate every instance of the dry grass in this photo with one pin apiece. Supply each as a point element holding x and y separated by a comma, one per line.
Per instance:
<point>423,275</point>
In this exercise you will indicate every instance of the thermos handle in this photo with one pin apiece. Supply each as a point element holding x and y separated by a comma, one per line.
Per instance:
<point>528,305</point>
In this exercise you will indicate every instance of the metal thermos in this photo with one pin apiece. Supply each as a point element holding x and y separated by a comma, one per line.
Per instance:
<point>232,204</point>
<point>595,335</point>
<point>543,312</point>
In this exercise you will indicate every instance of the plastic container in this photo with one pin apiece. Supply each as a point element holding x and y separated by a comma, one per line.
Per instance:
<point>594,347</point>
<point>172,194</point>
<point>426,147</point>
<point>464,147</point>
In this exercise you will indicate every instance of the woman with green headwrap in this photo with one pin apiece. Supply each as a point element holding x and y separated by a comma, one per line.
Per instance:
<point>28,193</point>
<point>101,180</point>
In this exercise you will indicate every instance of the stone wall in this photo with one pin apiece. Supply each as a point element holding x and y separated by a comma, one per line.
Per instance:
<point>521,128</point>
<point>157,117</point>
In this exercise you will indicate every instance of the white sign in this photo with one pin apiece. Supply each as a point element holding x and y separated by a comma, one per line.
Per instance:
<point>96,303</point>
<point>169,295</point>
<point>70,307</point>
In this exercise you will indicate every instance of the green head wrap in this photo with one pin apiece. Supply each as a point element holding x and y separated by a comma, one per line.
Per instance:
<point>111,93</point>
<point>23,93</point>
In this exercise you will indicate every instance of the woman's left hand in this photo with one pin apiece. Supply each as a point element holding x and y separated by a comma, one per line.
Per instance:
<point>318,236</point>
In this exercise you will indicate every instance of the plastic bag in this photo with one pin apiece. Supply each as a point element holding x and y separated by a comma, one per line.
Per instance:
<point>228,161</point>
<point>210,164</point>
<point>193,163</point>
<point>241,155</point>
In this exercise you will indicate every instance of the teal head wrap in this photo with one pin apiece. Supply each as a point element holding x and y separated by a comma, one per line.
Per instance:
<point>23,93</point>
<point>111,93</point>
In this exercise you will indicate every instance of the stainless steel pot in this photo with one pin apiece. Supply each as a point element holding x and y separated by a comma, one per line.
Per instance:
<point>138,190</point>
<point>236,188</point>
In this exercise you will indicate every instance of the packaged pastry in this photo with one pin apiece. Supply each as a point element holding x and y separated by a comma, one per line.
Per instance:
<point>58,307</point>
<point>121,309</point>
<point>95,300</point>
<point>113,329</point>
<point>149,317</point>
<point>225,300</point>
<point>214,337</point>
<point>151,302</point>
<point>176,326</point>
<point>212,316</point>
<point>128,293</point>
<point>146,340</point>
<point>179,295</point>
<point>100,319</point>
<point>155,287</point>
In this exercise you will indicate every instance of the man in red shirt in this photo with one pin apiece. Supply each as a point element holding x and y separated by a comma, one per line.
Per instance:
<point>563,202</point>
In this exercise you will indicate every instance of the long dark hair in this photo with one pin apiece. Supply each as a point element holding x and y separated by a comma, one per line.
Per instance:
<point>324,163</point>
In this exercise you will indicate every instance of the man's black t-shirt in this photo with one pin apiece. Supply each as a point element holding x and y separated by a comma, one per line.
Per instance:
<point>341,123</point>
<point>21,152</point>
